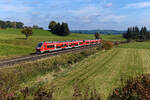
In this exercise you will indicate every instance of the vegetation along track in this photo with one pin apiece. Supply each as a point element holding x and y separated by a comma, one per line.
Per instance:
<point>7,62</point>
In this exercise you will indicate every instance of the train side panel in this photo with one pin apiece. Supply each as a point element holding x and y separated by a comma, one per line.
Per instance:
<point>54,46</point>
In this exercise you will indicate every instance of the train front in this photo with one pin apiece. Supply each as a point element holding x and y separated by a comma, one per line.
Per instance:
<point>39,47</point>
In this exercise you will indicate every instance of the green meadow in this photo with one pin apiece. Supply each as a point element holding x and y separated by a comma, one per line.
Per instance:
<point>103,71</point>
<point>13,43</point>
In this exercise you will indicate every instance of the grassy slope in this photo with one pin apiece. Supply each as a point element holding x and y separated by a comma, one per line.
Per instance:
<point>12,42</point>
<point>113,37</point>
<point>104,70</point>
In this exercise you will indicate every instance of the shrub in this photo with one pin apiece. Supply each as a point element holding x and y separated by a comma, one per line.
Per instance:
<point>116,43</point>
<point>85,94</point>
<point>97,35</point>
<point>107,45</point>
<point>27,31</point>
<point>135,89</point>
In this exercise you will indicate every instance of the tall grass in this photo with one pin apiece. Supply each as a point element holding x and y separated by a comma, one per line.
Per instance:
<point>11,78</point>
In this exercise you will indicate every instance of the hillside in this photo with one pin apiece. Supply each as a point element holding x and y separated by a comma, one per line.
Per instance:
<point>105,70</point>
<point>114,32</point>
<point>102,71</point>
<point>13,43</point>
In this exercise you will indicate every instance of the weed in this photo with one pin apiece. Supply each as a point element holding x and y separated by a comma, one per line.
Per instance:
<point>135,89</point>
<point>107,45</point>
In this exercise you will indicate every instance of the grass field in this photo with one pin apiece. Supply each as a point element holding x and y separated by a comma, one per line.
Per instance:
<point>102,71</point>
<point>13,43</point>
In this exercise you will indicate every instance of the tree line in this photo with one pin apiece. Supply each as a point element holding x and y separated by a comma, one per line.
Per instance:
<point>9,24</point>
<point>134,33</point>
<point>59,29</point>
<point>14,24</point>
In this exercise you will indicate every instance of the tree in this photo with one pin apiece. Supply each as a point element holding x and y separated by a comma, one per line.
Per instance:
<point>35,27</point>
<point>52,26</point>
<point>14,25</point>
<point>146,33</point>
<point>97,35</point>
<point>137,29</point>
<point>9,24</point>
<point>64,30</point>
<point>2,24</point>
<point>136,34</point>
<point>19,25</point>
<point>57,29</point>
<point>27,31</point>
<point>128,34</point>
<point>143,32</point>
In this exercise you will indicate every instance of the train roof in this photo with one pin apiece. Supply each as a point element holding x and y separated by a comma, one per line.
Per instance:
<point>67,41</point>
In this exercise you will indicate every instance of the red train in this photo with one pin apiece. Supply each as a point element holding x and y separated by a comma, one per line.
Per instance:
<point>59,45</point>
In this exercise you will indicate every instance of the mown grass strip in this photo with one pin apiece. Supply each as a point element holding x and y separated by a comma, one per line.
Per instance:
<point>103,74</point>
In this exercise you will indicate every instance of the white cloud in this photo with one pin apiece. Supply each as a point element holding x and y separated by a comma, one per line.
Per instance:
<point>89,10</point>
<point>138,5</point>
<point>108,5</point>
<point>92,14</point>
<point>14,8</point>
<point>112,18</point>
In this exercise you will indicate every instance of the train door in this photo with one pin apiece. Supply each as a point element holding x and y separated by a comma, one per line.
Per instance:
<point>58,46</point>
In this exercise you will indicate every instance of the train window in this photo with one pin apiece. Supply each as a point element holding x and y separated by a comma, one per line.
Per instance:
<point>87,42</point>
<point>64,45</point>
<point>81,42</point>
<point>58,46</point>
<point>72,44</point>
<point>40,44</point>
<point>50,46</point>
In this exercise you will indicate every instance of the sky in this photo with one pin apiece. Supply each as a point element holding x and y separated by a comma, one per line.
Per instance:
<point>79,14</point>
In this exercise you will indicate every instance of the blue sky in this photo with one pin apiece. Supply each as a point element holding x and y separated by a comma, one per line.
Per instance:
<point>79,14</point>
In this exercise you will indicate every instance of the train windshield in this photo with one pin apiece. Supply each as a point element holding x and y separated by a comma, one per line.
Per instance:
<point>39,45</point>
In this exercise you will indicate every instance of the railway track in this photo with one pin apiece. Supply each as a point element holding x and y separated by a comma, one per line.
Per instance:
<point>13,61</point>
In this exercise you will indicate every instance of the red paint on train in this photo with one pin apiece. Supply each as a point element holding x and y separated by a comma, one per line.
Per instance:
<point>59,45</point>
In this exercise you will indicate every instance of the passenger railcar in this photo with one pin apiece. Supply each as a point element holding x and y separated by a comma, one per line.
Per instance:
<point>59,45</point>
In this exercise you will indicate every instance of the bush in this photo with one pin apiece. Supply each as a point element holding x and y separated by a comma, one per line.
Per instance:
<point>27,31</point>
<point>107,45</point>
<point>135,89</point>
<point>116,43</point>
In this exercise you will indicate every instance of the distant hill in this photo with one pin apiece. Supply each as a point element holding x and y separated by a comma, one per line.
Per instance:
<point>100,31</point>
